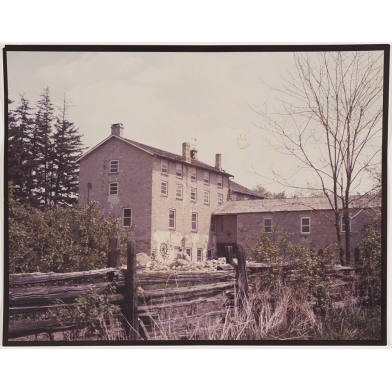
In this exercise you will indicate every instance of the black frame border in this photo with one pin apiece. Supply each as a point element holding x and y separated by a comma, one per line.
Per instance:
<point>206,48</point>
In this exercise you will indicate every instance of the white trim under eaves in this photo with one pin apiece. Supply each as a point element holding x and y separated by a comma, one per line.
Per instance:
<point>105,140</point>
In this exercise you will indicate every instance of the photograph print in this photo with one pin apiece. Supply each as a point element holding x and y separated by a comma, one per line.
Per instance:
<point>195,194</point>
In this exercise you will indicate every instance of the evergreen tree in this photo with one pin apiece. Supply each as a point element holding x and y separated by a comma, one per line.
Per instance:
<point>43,148</point>
<point>67,147</point>
<point>20,135</point>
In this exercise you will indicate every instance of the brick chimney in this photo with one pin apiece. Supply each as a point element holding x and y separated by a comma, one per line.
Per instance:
<point>118,129</point>
<point>218,161</point>
<point>186,152</point>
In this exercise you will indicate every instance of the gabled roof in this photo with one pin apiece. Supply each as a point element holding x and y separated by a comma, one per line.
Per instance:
<point>157,152</point>
<point>292,204</point>
<point>235,187</point>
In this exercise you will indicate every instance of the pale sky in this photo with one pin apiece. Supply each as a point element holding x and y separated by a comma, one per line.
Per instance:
<point>164,99</point>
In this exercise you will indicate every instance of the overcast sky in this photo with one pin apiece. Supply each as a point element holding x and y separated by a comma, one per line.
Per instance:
<point>164,99</point>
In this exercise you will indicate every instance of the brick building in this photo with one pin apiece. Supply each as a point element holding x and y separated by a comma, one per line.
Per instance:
<point>309,220</point>
<point>168,198</point>
<point>176,201</point>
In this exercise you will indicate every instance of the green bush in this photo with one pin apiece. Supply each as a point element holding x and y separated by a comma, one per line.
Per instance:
<point>370,263</point>
<point>59,239</point>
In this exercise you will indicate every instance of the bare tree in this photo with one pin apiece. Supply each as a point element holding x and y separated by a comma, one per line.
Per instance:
<point>331,123</point>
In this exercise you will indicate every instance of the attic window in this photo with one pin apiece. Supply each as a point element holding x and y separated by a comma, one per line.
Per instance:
<point>220,181</point>
<point>164,167</point>
<point>206,177</point>
<point>114,166</point>
<point>193,173</point>
<point>179,170</point>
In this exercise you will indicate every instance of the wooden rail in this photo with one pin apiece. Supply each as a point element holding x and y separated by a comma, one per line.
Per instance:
<point>141,295</point>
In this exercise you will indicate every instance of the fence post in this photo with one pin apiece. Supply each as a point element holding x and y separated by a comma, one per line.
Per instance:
<point>242,275</point>
<point>114,253</point>
<point>131,291</point>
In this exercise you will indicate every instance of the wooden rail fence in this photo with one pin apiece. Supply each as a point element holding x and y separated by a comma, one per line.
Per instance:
<point>143,296</point>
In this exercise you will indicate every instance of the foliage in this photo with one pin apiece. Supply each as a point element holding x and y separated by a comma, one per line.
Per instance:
<point>269,195</point>
<point>370,264</point>
<point>59,239</point>
<point>92,315</point>
<point>299,268</point>
<point>42,155</point>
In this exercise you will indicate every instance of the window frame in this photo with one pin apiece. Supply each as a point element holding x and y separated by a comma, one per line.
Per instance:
<point>220,199</point>
<point>206,177</point>
<point>201,254</point>
<point>174,219</point>
<point>164,163</point>
<point>190,252</point>
<point>124,217</point>
<point>191,171</point>
<point>182,170</point>
<point>179,186</point>
<point>196,221</point>
<point>110,190</point>
<point>219,184</point>
<point>269,226</point>
<point>342,223</point>
<point>110,166</point>
<point>302,225</point>
<point>167,188</point>
<point>205,192</point>
<point>195,199</point>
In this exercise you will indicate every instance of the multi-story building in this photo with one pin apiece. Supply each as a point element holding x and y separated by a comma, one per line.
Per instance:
<point>167,198</point>
<point>176,201</point>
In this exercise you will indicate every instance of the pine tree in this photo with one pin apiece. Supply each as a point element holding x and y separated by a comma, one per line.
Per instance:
<point>43,148</point>
<point>20,135</point>
<point>67,147</point>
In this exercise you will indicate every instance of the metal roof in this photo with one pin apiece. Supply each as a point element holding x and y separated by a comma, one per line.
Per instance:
<point>235,187</point>
<point>290,204</point>
<point>157,152</point>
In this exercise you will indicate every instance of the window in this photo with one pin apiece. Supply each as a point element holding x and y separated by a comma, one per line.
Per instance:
<point>209,254</point>
<point>220,198</point>
<point>193,194</point>
<point>113,167</point>
<point>179,170</point>
<point>206,197</point>
<point>179,191</point>
<point>172,219</point>
<point>194,221</point>
<point>199,254</point>
<point>164,167</point>
<point>113,188</point>
<point>219,181</point>
<point>305,225</point>
<point>213,225</point>
<point>189,252</point>
<point>206,177</point>
<point>343,224</point>
<point>193,174</point>
<point>268,225</point>
<point>127,217</point>
<point>164,188</point>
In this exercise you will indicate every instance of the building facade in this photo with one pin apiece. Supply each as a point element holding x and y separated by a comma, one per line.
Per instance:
<point>175,202</point>
<point>307,220</point>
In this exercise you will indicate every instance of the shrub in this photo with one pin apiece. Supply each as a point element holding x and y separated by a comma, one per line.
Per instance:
<point>59,239</point>
<point>370,263</point>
